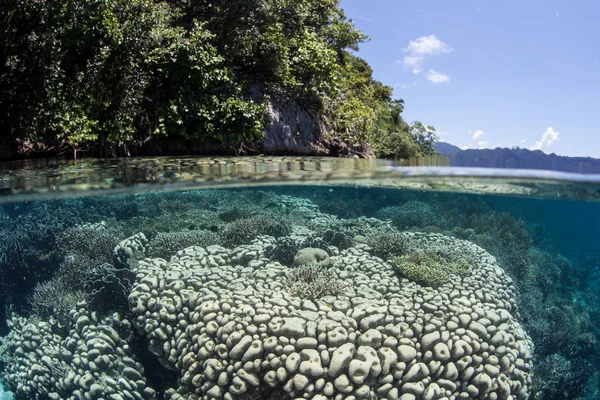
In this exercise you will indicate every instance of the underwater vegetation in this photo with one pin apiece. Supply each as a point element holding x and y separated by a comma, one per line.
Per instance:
<point>245,294</point>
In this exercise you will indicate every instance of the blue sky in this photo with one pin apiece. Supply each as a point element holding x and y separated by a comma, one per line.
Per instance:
<point>491,73</point>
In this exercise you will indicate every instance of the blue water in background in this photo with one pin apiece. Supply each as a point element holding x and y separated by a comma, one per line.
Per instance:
<point>562,236</point>
<point>571,228</point>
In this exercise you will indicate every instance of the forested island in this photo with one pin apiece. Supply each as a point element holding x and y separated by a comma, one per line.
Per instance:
<point>120,77</point>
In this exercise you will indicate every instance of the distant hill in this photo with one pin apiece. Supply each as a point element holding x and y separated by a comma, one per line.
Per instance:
<point>517,158</point>
<point>446,149</point>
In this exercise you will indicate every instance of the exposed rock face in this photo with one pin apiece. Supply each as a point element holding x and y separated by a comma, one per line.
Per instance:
<point>296,131</point>
<point>293,131</point>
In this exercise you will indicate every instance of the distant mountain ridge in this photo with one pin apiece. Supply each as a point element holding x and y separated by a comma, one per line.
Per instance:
<point>517,158</point>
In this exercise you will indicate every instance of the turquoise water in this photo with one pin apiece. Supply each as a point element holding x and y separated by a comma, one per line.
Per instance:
<point>287,280</point>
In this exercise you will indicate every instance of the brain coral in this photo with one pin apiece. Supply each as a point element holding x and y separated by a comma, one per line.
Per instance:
<point>223,321</point>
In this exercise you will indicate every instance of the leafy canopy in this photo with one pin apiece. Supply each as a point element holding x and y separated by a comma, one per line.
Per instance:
<point>123,71</point>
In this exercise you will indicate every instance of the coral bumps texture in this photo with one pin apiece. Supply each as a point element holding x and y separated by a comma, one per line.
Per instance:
<point>292,303</point>
<point>222,319</point>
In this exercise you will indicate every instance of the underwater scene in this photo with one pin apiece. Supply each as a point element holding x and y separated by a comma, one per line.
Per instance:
<point>323,292</point>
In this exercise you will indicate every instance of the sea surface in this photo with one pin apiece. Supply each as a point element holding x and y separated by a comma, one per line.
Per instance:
<point>297,278</point>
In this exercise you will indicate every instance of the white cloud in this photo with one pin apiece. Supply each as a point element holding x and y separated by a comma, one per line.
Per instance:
<point>406,85</point>
<point>548,138</point>
<point>427,45</point>
<point>523,141</point>
<point>412,61</point>
<point>482,144</point>
<point>477,134</point>
<point>437,77</point>
<point>419,50</point>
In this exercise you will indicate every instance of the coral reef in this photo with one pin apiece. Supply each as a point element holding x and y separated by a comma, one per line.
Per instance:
<point>312,281</point>
<point>242,231</point>
<point>340,240</point>
<point>165,244</point>
<point>429,268</point>
<point>94,241</point>
<point>193,303</point>
<point>283,250</point>
<point>222,319</point>
<point>108,287</point>
<point>89,358</point>
<point>412,214</point>
<point>503,236</point>
<point>54,297</point>
<point>130,249</point>
<point>312,256</point>
<point>387,244</point>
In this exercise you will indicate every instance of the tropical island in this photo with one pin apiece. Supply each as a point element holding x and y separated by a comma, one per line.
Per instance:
<point>148,77</point>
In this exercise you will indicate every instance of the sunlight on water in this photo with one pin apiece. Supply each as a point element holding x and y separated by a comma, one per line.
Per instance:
<point>54,178</point>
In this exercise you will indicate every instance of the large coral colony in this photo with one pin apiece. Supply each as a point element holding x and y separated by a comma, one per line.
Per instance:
<point>251,294</point>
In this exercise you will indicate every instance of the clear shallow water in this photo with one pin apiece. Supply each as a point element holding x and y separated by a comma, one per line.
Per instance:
<point>297,278</point>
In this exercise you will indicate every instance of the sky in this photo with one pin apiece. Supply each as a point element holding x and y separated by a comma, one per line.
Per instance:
<point>491,74</point>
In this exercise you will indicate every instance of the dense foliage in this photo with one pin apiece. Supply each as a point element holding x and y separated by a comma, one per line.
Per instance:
<point>116,71</point>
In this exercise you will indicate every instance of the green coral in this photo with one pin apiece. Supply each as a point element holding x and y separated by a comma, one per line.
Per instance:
<point>431,269</point>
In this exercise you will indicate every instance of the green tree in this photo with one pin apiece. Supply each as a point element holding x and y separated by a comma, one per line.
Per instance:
<point>288,48</point>
<point>115,71</point>
<point>424,136</point>
<point>122,71</point>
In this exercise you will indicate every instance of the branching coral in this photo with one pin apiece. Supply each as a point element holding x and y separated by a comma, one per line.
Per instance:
<point>54,298</point>
<point>166,244</point>
<point>556,375</point>
<point>504,237</point>
<point>388,244</point>
<point>312,281</point>
<point>95,241</point>
<point>242,231</point>
<point>340,240</point>
<point>74,270</point>
<point>283,250</point>
<point>410,214</point>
